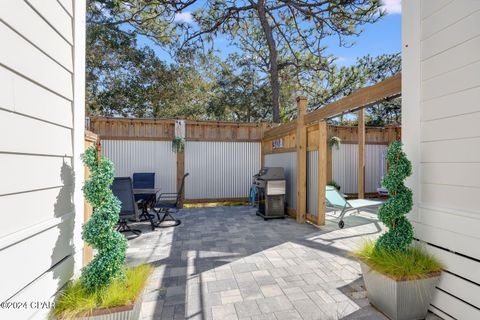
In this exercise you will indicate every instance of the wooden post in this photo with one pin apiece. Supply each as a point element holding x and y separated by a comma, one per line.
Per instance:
<point>301,146</point>
<point>180,173</point>
<point>90,140</point>
<point>329,157</point>
<point>361,154</point>
<point>323,151</point>
<point>262,145</point>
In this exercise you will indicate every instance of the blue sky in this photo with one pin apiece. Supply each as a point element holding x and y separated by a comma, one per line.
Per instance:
<point>381,37</point>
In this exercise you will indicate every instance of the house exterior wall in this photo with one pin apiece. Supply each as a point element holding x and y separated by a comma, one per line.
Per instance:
<point>41,124</point>
<point>441,135</point>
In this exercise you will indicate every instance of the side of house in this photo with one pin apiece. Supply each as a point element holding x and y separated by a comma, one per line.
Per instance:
<point>42,127</point>
<point>441,134</point>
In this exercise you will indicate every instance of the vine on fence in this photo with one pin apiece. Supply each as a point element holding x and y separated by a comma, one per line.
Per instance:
<point>99,231</point>
<point>392,213</point>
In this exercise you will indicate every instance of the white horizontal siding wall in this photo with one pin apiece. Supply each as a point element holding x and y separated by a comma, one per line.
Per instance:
<point>288,161</point>
<point>131,156</point>
<point>220,169</point>
<point>441,112</point>
<point>41,115</point>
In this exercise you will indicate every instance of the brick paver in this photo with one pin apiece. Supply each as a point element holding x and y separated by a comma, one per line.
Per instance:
<point>227,263</point>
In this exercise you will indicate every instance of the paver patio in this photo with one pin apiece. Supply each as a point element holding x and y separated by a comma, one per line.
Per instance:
<point>227,263</point>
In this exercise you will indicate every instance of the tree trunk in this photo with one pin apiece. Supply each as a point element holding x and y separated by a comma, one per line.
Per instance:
<point>272,49</point>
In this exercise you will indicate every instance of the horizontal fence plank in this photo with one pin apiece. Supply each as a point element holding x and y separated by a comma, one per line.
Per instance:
<point>164,130</point>
<point>460,288</point>
<point>456,307</point>
<point>456,264</point>
<point>455,241</point>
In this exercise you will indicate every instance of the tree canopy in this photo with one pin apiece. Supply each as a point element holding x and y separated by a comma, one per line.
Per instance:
<point>126,77</point>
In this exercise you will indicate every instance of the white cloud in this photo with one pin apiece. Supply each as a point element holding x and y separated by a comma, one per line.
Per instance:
<point>392,6</point>
<point>184,17</point>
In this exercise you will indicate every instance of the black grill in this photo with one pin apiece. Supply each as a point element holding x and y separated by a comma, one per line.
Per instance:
<point>270,182</point>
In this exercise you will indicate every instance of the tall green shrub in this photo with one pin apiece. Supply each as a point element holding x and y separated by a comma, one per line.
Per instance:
<point>392,213</point>
<point>99,231</point>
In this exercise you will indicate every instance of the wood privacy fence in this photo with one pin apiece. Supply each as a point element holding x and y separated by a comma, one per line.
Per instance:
<point>91,139</point>
<point>302,147</point>
<point>221,157</point>
<point>279,148</point>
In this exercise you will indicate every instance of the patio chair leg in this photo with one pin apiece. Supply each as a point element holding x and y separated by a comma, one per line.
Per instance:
<point>166,214</point>
<point>124,227</point>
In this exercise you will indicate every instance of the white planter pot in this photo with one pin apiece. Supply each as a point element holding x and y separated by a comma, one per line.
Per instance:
<point>399,299</point>
<point>131,312</point>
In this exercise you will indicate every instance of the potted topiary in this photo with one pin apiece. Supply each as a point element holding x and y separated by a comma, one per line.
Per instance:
<point>400,278</point>
<point>106,288</point>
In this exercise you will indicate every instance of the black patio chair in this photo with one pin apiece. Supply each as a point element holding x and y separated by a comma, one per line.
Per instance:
<point>169,203</point>
<point>144,180</point>
<point>122,189</point>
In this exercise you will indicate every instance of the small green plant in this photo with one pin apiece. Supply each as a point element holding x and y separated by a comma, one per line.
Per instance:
<point>409,264</point>
<point>178,144</point>
<point>108,263</point>
<point>334,184</point>
<point>334,142</point>
<point>76,300</point>
<point>392,213</point>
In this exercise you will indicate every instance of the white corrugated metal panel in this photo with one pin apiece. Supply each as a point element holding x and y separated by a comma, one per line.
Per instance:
<point>312,182</point>
<point>287,160</point>
<point>375,166</point>
<point>131,156</point>
<point>220,169</point>
<point>345,166</point>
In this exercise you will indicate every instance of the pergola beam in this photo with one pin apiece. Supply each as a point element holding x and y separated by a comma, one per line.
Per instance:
<point>359,99</point>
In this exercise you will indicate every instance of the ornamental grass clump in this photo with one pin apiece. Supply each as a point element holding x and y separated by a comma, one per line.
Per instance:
<point>99,231</point>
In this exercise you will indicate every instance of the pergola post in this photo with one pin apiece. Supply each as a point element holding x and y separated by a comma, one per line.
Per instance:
<point>329,158</point>
<point>301,148</point>
<point>262,145</point>
<point>323,150</point>
<point>361,154</point>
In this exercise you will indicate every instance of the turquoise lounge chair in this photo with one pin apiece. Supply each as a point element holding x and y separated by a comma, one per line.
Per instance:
<point>336,200</point>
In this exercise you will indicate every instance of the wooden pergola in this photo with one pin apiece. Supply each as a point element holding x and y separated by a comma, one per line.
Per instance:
<point>355,102</point>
